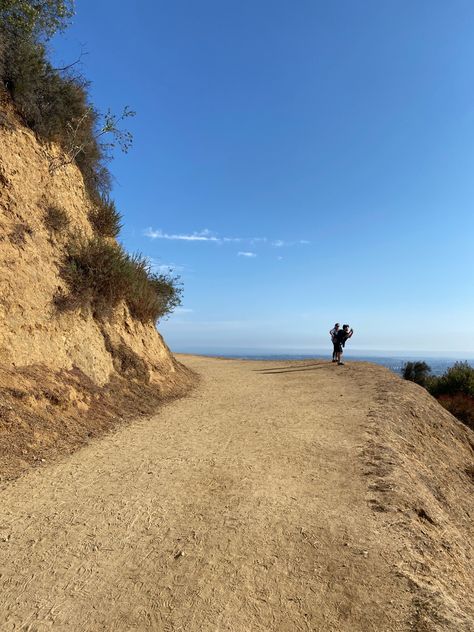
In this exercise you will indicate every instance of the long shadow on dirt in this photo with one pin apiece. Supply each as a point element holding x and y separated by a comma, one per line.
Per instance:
<point>292,369</point>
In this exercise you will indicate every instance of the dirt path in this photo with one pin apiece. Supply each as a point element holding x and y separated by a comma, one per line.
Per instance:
<point>242,507</point>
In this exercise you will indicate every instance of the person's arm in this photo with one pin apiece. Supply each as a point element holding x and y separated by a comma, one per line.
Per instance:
<point>350,333</point>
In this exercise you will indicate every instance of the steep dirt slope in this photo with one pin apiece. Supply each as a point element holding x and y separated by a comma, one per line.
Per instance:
<point>421,466</point>
<point>277,497</point>
<point>51,362</point>
<point>31,330</point>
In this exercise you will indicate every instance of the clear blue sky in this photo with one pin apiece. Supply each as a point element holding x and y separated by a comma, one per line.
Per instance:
<point>263,125</point>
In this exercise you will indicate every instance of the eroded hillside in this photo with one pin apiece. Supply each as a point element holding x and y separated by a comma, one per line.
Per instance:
<point>56,363</point>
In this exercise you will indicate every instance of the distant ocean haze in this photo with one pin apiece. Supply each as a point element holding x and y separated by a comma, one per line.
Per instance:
<point>395,363</point>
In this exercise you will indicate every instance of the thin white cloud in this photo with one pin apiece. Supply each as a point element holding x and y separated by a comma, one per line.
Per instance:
<point>207,235</point>
<point>203,235</point>
<point>246,254</point>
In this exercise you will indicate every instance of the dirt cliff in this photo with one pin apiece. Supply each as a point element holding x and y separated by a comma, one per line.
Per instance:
<point>38,344</point>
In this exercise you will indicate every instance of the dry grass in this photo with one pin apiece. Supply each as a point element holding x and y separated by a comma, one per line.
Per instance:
<point>105,218</point>
<point>19,233</point>
<point>461,406</point>
<point>56,219</point>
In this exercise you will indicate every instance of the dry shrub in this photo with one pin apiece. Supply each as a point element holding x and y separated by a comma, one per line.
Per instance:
<point>100,274</point>
<point>97,275</point>
<point>19,233</point>
<point>105,218</point>
<point>56,219</point>
<point>152,296</point>
<point>461,406</point>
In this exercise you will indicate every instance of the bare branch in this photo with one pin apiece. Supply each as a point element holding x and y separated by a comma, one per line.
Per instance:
<point>74,63</point>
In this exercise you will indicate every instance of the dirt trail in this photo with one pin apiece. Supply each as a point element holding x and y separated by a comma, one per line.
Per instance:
<point>242,507</point>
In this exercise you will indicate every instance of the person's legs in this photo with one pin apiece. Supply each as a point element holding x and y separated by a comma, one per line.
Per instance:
<point>334,352</point>
<point>339,358</point>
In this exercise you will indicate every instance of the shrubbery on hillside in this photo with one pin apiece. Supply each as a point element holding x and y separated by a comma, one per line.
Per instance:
<point>105,218</point>
<point>41,18</point>
<point>457,379</point>
<point>56,107</point>
<point>416,372</point>
<point>454,389</point>
<point>100,274</point>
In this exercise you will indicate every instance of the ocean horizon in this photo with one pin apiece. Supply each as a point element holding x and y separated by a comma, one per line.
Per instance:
<point>395,362</point>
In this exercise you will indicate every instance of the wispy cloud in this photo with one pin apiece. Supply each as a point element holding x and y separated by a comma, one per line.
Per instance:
<point>280,243</point>
<point>207,235</point>
<point>203,235</point>
<point>246,254</point>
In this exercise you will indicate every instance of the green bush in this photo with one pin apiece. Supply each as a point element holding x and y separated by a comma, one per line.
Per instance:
<point>457,379</point>
<point>100,274</point>
<point>418,372</point>
<point>42,18</point>
<point>105,218</point>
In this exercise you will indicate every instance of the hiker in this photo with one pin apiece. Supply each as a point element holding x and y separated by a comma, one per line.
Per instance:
<point>333,333</point>
<point>342,335</point>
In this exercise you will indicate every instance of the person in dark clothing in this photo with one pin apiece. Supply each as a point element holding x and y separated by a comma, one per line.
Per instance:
<point>341,337</point>
<point>333,333</point>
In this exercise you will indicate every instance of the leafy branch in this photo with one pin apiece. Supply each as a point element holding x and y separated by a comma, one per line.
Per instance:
<point>75,142</point>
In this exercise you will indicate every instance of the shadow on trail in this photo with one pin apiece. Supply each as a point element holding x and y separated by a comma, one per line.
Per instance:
<point>293,369</point>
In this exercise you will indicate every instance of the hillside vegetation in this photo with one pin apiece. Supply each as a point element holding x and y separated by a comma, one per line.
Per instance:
<point>454,389</point>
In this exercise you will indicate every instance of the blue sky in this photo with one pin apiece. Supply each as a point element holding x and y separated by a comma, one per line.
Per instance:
<point>297,164</point>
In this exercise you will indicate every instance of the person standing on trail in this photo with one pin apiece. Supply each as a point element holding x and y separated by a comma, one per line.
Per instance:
<point>342,335</point>
<point>333,333</point>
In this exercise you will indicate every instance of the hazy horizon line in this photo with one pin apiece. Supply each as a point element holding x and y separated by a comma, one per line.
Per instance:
<point>353,351</point>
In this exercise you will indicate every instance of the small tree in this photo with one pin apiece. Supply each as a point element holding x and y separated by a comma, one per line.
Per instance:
<point>418,372</point>
<point>40,19</point>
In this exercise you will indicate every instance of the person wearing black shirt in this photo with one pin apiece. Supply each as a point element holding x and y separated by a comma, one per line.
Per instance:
<point>341,336</point>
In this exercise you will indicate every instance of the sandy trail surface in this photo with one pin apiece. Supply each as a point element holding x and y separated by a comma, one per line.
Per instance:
<point>241,507</point>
